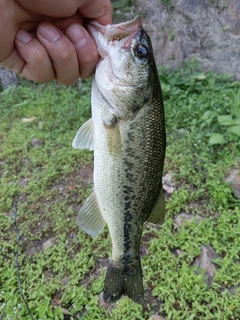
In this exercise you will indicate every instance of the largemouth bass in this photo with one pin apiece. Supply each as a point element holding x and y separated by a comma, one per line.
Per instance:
<point>127,134</point>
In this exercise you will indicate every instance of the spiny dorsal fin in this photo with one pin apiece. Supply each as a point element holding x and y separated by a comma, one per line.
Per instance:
<point>84,138</point>
<point>90,218</point>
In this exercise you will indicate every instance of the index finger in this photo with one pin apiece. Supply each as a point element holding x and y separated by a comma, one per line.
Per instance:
<point>98,10</point>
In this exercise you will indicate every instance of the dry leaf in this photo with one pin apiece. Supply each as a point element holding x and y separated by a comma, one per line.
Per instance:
<point>27,120</point>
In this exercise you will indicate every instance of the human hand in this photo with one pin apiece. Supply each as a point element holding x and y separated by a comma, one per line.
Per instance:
<point>45,40</point>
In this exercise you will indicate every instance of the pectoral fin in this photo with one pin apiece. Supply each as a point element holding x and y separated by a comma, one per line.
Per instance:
<point>84,138</point>
<point>158,213</point>
<point>90,218</point>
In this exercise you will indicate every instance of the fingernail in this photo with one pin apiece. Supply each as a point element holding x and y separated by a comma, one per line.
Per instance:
<point>23,36</point>
<point>49,32</point>
<point>78,35</point>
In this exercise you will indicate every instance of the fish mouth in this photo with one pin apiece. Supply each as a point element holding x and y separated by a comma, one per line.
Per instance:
<point>120,34</point>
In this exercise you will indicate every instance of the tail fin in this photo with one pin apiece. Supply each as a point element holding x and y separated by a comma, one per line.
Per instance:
<point>120,282</point>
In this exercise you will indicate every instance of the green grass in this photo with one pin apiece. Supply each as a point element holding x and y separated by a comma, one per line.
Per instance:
<point>63,281</point>
<point>123,10</point>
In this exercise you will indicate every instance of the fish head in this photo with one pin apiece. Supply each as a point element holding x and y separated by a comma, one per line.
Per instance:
<point>124,74</point>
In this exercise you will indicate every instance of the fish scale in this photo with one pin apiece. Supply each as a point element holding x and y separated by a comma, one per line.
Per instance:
<point>127,133</point>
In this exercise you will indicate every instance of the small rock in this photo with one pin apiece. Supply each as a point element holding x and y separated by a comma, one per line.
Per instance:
<point>65,280</point>
<point>100,265</point>
<point>65,311</point>
<point>103,263</point>
<point>236,186</point>
<point>27,161</point>
<point>204,261</point>
<point>23,182</point>
<point>7,79</point>
<point>168,184</point>
<point>186,216</point>
<point>48,243</point>
<point>144,252</point>
<point>48,275</point>
<point>102,303</point>
<point>167,178</point>
<point>37,142</point>
<point>179,252</point>
<point>231,176</point>
<point>234,179</point>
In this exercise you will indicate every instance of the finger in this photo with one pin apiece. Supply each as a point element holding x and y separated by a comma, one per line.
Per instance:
<point>61,51</point>
<point>29,59</point>
<point>85,48</point>
<point>99,10</point>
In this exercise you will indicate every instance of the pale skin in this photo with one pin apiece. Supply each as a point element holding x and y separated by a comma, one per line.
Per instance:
<point>43,40</point>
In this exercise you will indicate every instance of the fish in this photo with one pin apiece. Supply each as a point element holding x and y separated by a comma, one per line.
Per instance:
<point>127,133</point>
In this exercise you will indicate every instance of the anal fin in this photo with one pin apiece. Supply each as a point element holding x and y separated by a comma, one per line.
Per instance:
<point>84,138</point>
<point>90,218</point>
<point>158,213</point>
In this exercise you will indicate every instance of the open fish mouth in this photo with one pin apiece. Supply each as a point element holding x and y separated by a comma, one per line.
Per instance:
<point>119,35</point>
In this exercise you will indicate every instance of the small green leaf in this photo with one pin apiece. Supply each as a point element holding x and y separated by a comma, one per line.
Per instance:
<point>165,87</point>
<point>217,138</point>
<point>237,121</point>
<point>208,116</point>
<point>225,120</point>
<point>235,130</point>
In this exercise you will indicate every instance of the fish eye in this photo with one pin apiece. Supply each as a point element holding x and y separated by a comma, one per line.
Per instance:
<point>141,51</point>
